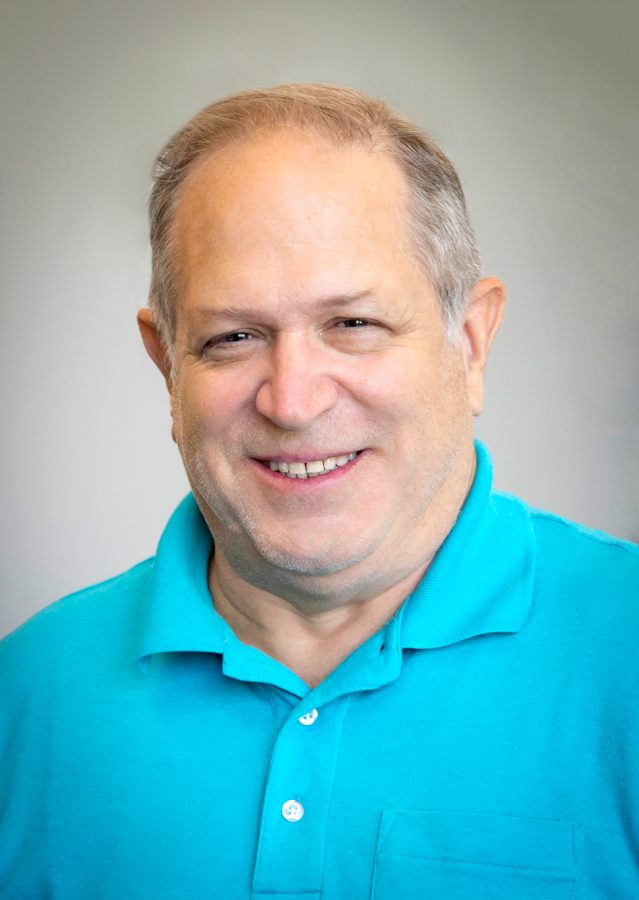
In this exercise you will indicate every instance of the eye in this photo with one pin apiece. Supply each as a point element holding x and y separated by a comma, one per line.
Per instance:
<point>229,346</point>
<point>352,323</point>
<point>234,338</point>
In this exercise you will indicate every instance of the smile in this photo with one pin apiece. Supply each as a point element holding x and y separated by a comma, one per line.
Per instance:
<point>311,469</point>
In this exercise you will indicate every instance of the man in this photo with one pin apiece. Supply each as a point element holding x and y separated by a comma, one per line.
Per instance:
<point>352,670</point>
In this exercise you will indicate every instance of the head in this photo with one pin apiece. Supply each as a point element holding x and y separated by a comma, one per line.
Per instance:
<point>317,294</point>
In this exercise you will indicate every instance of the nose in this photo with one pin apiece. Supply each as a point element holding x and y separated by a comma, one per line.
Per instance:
<point>297,388</point>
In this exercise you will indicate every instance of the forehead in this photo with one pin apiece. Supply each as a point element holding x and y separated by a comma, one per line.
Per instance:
<point>282,201</point>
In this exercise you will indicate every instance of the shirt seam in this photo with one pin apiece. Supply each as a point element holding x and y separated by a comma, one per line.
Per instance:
<point>464,862</point>
<point>590,534</point>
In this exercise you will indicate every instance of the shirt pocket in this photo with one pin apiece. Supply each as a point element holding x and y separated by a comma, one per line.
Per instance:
<point>471,856</point>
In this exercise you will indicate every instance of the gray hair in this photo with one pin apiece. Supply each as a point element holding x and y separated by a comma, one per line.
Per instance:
<point>438,223</point>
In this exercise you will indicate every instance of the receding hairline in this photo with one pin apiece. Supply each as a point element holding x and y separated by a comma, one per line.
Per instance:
<point>304,131</point>
<point>264,134</point>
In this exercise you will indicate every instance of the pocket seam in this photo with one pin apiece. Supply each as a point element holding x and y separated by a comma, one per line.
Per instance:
<point>465,862</point>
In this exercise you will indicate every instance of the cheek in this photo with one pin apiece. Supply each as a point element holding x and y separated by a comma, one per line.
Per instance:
<point>212,402</point>
<point>400,389</point>
<point>419,397</point>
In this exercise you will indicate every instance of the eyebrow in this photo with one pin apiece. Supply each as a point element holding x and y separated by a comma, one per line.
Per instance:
<point>316,306</point>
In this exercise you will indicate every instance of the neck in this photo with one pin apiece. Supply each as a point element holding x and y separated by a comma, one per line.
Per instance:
<point>310,644</point>
<point>311,633</point>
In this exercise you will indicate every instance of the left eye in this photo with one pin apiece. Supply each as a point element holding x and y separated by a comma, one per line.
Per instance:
<point>352,323</point>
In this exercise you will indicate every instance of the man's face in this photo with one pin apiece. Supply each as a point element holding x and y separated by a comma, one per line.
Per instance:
<point>306,331</point>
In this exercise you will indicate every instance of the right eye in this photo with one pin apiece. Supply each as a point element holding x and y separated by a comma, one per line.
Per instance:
<point>230,347</point>
<point>234,338</point>
<point>223,340</point>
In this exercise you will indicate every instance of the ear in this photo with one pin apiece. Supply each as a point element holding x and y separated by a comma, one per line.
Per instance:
<point>483,318</point>
<point>155,347</point>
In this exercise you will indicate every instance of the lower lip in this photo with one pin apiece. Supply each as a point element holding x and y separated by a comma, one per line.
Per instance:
<point>283,482</point>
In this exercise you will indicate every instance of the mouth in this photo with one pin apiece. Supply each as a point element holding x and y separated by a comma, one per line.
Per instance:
<point>315,468</point>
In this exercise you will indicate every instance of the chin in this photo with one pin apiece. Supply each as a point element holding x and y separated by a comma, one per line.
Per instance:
<point>323,560</point>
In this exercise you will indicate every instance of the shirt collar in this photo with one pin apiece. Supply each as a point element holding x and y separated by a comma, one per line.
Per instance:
<point>480,582</point>
<point>179,615</point>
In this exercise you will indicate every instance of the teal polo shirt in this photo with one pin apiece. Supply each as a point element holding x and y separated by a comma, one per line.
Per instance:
<point>483,744</point>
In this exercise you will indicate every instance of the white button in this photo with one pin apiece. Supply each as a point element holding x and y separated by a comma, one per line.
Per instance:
<point>292,811</point>
<point>309,718</point>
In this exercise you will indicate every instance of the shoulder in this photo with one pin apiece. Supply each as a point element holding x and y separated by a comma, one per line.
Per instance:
<point>585,579</point>
<point>584,616</point>
<point>569,545</point>
<point>594,576</point>
<point>579,565</point>
<point>77,625</point>
<point>565,542</point>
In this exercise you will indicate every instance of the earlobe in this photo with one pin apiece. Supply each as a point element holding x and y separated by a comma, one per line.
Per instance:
<point>483,318</point>
<point>154,344</point>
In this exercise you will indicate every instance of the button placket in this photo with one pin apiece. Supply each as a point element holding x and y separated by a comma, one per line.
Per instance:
<point>296,803</point>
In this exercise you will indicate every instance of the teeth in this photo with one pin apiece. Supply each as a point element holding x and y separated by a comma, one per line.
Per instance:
<point>311,469</point>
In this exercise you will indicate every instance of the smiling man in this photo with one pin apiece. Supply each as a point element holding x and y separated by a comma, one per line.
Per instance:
<point>323,418</point>
<point>352,669</point>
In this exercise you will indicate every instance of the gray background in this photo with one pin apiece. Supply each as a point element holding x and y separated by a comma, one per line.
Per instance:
<point>536,103</point>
